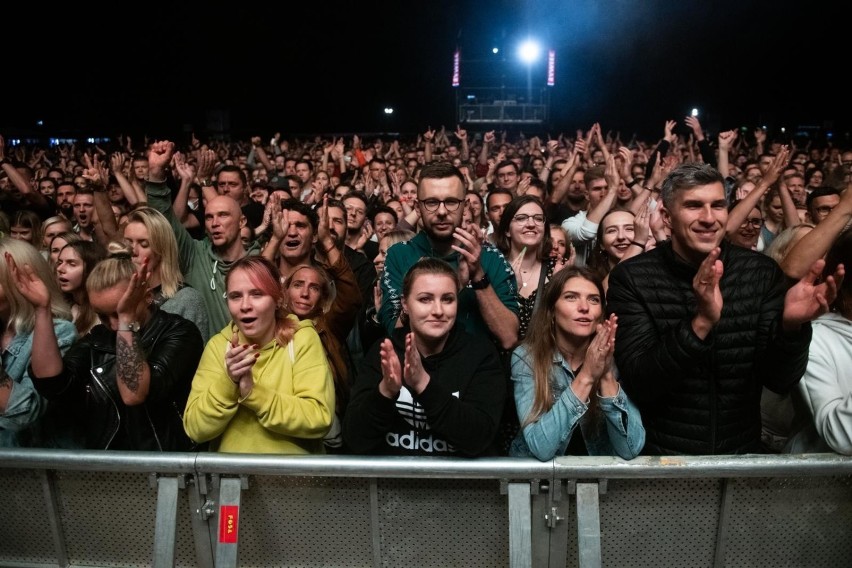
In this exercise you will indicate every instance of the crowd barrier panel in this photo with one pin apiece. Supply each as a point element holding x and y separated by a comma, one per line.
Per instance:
<point>96,508</point>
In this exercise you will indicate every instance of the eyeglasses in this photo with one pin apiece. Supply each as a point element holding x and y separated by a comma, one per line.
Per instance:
<point>756,222</point>
<point>522,219</point>
<point>824,209</point>
<point>432,205</point>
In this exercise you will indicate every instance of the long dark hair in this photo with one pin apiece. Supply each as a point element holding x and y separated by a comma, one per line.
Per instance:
<point>540,341</point>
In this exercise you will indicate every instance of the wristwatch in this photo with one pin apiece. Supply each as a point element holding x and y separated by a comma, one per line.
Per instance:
<point>132,326</point>
<point>480,284</point>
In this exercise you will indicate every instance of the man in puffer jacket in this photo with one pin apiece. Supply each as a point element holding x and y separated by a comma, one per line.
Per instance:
<point>703,325</point>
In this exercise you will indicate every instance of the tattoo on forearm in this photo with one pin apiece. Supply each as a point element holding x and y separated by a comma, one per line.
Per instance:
<point>129,358</point>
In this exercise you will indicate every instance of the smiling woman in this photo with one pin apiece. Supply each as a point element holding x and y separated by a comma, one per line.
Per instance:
<point>431,388</point>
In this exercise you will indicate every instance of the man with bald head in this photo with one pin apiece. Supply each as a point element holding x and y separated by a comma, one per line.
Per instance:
<point>204,263</point>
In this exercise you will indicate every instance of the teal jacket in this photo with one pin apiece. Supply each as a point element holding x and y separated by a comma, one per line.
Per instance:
<point>402,256</point>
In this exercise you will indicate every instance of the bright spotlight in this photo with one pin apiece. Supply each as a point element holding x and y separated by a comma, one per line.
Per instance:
<point>529,51</point>
<point>388,110</point>
<point>495,50</point>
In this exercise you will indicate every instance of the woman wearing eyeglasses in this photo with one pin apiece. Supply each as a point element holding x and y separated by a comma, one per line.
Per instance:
<point>524,239</point>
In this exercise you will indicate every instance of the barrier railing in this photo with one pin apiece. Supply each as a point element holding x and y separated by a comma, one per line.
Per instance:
<point>152,509</point>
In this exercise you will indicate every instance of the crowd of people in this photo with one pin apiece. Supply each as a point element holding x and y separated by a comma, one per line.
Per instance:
<point>447,294</point>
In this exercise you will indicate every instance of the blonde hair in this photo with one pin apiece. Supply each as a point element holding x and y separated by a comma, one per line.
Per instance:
<point>22,313</point>
<point>113,270</point>
<point>163,243</point>
<point>55,220</point>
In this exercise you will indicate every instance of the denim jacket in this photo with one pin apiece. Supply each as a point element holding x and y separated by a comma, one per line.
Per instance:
<point>25,406</point>
<point>620,432</point>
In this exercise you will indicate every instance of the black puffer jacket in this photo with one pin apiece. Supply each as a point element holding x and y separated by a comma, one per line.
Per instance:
<point>85,409</point>
<point>702,397</point>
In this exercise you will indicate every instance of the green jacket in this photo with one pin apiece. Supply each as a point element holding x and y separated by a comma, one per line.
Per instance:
<point>201,266</point>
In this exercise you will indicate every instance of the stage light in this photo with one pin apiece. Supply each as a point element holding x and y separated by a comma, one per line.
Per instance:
<point>529,51</point>
<point>388,110</point>
<point>495,50</point>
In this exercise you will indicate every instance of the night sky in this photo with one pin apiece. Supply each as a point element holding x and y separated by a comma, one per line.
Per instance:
<point>332,68</point>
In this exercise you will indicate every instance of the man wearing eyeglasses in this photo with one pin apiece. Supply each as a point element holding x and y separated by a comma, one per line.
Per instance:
<point>704,325</point>
<point>487,303</point>
<point>821,201</point>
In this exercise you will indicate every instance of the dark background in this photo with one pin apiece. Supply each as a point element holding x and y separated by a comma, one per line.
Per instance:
<point>168,69</point>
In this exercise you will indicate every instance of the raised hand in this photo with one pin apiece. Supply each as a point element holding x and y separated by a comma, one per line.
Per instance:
<point>391,382</point>
<point>668,130</point>
<point>726,140</point>
<point>280,223</point>
<point>135,293</point>
<point>808,300</point>
<point>160,155</point>
<point>642,222</point>
<point>599,354</point>
<point>183,169</point>
<point>413,374</point>
<point>705,284</point>
<point>239,360</point>
<point>470,249</point>
<point>28,283</point>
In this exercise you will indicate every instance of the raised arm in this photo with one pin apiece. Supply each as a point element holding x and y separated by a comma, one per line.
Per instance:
<point>97,174</point>
<point>568,171</point>
<point>260,153</point>
<point>741,210</point>
<point>726,141</point>
<point>700,140</point>
<point>428,137</point>
<point>464,151</point>
<point>815,244</point>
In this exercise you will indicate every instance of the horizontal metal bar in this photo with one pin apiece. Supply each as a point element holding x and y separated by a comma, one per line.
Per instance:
<point>426,467</point>
<point>97,460</point>
<point>375,466</point>
<point>750,465</point>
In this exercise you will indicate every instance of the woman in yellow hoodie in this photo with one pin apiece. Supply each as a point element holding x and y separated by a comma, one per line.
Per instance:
<point>263,384</point>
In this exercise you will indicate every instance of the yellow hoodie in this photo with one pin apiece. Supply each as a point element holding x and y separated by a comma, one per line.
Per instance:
<point>288,411</point>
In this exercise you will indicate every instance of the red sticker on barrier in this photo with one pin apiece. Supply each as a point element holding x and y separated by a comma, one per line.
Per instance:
<point>229,522</point>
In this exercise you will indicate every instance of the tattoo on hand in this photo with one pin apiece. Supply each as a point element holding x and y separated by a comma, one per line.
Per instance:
<point>130,359</point>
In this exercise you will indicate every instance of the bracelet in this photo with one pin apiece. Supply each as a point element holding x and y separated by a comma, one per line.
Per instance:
<point>630,183</point>
<point>205,182</point>
<point>635,244</point>
<point>481,284</point>
<point>4,161</point>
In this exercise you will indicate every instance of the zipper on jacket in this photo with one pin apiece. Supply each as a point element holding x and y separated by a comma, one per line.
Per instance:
<point>96,381</point>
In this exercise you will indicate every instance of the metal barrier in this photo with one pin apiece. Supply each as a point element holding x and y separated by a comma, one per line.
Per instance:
<point>151,509</point>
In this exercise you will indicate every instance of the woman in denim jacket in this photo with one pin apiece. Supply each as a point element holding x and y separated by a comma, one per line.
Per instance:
<point>564,376</point>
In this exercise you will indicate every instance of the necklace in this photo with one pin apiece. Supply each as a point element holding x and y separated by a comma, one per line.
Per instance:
<point>526,276</point>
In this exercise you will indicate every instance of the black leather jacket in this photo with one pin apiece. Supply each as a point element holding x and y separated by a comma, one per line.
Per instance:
<point>702,396</point>
<point>85,407</point>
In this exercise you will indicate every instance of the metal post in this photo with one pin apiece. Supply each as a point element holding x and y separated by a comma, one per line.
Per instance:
<point>228,521</point>
<point>520,525</point>
<point>51,501</point>
<point>165,528</point>
<point>588,525</point>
